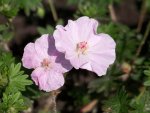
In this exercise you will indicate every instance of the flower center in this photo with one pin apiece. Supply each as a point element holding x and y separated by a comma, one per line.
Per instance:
<point>82,47</point>
<point>46,63</point>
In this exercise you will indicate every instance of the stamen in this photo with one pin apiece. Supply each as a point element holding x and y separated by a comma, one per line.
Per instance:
<point>82,47</point>
<point>45,63</point>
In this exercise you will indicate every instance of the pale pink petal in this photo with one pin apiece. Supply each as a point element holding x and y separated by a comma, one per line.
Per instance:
<point>62,65</point>
<point>72,30</point>
<point>86,26</point>
<point>40,77</point>
<point>101,53</point>
<point>63,39</point>
<point>36,74</point>
<point>76,60</point>
<point>48,80</point>
<point>42,45</point>
<point>87,66</point>
<point>55,80</point>
<point>30,57</point>
<point>99,41</point>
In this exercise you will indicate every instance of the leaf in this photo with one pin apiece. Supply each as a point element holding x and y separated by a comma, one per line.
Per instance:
<point>147,83</point>
<point>100,85</point>
<point>147,72</point>
<point>3,27</point>
<point>141,103</point>
<point>48,30</point>
<point>12,103</point>
<point>148,5</point>
<point>5,61</point>
<point>10,8</point>
<point>118,103</point>
<point>17,79</point>
<point>28,5</point>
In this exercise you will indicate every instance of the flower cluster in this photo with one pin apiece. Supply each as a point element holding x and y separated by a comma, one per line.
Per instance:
<point>75,45</point>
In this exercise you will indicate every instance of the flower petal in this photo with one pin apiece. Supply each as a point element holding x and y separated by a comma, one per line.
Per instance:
<point>86,26</point>
<point>63,39</point>
<point>101,53</point>
<point>47,80</point>
<point>62,65</point>
<point>42,45</point>
<point>30,58</point>
<point>76,60</point>
<point>55,80</point>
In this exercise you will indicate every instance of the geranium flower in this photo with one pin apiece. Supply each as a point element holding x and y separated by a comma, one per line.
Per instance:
<point>49,64</point>
<point>83,47</point>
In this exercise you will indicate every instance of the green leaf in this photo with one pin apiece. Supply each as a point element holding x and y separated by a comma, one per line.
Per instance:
<point>3,27</point>
<point>10,8</point>
<point>12,103</point>
<point>147,72</point>
<point>141,103</point>
<point>5,61</point>
<point>28,5</point>
<point>118,103</point>
<point>147,83</point>
<point>48,30</point>
<point>148,5</point>
<point>17,79</point>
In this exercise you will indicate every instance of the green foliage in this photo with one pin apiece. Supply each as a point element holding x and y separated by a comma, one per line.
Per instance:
<point>10,8</point>
<point>17,79</point>
<point>147,82</point>
<point>28,5</point>
<point>141,104</point>
<point>101,85</point>
<point>13,81</point>
<point>48,30</point>
<point>5,33</point>
<point>94,8</point>
<point>147,5</point>
<point>79,96</point>
<point>72,2</point>
<point>5,61</point>
<point>117,103</point>
<point>12,103</point>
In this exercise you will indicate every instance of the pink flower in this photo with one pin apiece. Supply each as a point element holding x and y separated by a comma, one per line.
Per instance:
<point>83,47</point>
<point>49,64</point>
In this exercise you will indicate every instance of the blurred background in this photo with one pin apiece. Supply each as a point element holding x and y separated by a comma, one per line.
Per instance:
<point>125,87</point>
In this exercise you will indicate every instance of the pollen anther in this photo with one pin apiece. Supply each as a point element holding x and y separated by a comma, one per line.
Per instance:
<point>82,47</point>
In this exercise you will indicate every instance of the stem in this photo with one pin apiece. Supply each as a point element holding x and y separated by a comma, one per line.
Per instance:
<point>142,16</point>
<point>53,10</point>
<point>50,105</point>
<point>112,12</point>
<point>54,109</point>
<point>144,39</point>
<point>141,44</point>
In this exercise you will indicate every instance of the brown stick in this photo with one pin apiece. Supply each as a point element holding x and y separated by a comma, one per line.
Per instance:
<point>53,10</point>
<point>142,16</point>
<point>112,12</point>
<point>54,109</point>
<point>51,102</point>
<point>143,41</point>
